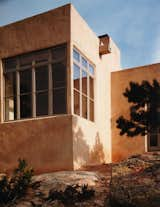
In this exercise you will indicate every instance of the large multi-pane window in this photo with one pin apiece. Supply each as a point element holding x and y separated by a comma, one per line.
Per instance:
<point>83,75</point>
<point>35,84</point>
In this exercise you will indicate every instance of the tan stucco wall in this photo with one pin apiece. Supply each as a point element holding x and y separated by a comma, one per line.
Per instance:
<point>87,144</point>
<point>84,39</point>
<point>45,143</point>
<point>34,33</point>
<point>123,146</point>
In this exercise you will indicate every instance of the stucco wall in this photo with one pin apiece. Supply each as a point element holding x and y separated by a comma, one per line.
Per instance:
<point>87,144</point>
<point>123,146</point>
<point>34,33</point>
<point>45,143</point>
<point>87,42</point>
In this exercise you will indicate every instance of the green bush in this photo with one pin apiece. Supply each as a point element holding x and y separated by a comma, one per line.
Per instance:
<point>14,187</point>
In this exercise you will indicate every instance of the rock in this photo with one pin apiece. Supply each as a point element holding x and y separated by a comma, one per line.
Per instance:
<point>42,185</point>
<point>135,182</point>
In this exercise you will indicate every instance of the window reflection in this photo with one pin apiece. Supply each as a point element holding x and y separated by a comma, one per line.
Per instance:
<point>76,76</point>
<point>35,83</point>
<point>83,76</point>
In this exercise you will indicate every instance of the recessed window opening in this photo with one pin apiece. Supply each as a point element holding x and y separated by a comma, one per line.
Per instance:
<point>83,86</point>
<point>35,84</point>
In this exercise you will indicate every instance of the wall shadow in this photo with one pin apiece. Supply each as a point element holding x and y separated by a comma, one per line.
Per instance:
<point>83,152</point>
<point>97,152</point>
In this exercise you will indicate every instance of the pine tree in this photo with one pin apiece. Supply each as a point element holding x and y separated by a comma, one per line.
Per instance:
<point>144,99</point>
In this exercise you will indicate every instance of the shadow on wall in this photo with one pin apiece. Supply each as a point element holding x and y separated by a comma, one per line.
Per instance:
<point>97,152</point>
<point>85,153</point>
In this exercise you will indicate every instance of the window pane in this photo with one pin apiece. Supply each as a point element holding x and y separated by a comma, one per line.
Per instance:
<point>91,69</point>
<point>84,106</point>
<point>59,101</point>
<point>26,60</point>
<point>76,55</point>
<point>59,74</point>
<point>76,76</point>
<point>10,64</point>
<point>42,104</point>
<point>84,62</point>
<point>91,86</point>
<point>58,53</point>
<point>25,106</point>
<point>25,81</point>
<point>42,78</point>
<point>10,84</point>
<point>10,108</point>
<point>84,82</point>
<point>91,117</point>
<point>76,102</point>
<point>41,56</point>
<point>154,140</point>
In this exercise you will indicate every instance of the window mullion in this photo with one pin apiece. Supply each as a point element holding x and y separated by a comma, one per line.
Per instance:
<point>33,90</point>
<point>18,89</point>
<point>80,90</point>
<point>50,85</point>
<point>88,97</point>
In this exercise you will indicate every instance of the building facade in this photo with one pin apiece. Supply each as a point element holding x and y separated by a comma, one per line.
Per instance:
<point>59,94</point>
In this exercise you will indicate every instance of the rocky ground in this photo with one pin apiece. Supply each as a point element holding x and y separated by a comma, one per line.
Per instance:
<point>136,182</point>
<point>96,177</point>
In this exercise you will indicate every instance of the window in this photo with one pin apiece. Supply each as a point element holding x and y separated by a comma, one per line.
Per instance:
<point>154,137</point>
<point>83,77</point>
<point>42,89</point>
<point>10,96</point>
<point>35,84</point>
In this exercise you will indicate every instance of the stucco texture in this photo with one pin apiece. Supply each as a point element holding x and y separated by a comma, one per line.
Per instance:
<point>123,146</point>
<point>45,143</point>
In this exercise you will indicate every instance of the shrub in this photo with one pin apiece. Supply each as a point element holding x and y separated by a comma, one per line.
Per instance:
<point>14,187</point>
<point>72,194</point>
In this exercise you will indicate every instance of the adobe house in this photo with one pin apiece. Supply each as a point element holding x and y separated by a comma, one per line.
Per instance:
<point>59,94</point>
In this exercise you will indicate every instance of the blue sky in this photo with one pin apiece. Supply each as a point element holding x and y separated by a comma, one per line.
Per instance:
<point>133,24</point>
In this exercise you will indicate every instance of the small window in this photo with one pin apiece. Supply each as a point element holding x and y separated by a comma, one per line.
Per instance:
<point>91,87</point>
<point>26,60</point>
<point>76,102</point>
<point>154,140</point>
<point>42,78</point>
<point>26,106</point>
<point>76,77</point>
<point>76,55</point>
<point>41,56</point>
<point>91,69</point>
<point>84,82</point>
<point>84,107</point>
<point>10,64</point>
<point>42,103</point>
<point>59,101</point>
<point>84,62</point>
<point>10,84</point>
<point>10,108</point>
<point>59,74</point>
<point>58,53</point>
<point>91,117</point>
<point>25,81</point>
